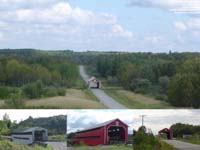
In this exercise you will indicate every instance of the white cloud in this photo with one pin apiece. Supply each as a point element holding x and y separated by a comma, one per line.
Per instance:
<point>2,38</point>
<point>117,29</point>
<point>60,22</point>
<point>192,24</point>
<point>180,26</point>
<point>155,39</point>
<point>180,6</point>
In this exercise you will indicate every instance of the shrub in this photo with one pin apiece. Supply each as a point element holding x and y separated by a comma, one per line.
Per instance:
<point>61,91</point>
<point>33,90</point>
<point>4,92</point>
<point>144,141</point>
<point>15,101</point>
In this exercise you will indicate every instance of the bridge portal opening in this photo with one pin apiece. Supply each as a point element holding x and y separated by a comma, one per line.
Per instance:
<point>116,135</point>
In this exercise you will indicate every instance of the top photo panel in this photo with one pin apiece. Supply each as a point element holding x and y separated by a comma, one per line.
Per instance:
<point>92,54</point>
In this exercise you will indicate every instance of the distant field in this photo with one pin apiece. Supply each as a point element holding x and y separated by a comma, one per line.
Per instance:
<point>74,99</point>
<point>113,147</point>
<point>137,101</point>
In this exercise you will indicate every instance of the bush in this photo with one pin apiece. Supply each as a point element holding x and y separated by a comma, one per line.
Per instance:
<point>50,92</point>
<point>15,101</point>
<point>33,90</point>
<point>140,86</point>
<point>61,91</point>
<point>144,141</point>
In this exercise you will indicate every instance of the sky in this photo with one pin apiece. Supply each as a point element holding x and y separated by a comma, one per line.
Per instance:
<point>154,120</point>
<point>101,25</point>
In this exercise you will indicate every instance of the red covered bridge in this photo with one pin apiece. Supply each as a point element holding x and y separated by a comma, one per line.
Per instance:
<point>110,132</point>
<point>166,131</point>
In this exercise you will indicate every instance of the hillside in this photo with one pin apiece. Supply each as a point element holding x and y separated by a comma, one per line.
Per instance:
<point>55,125</point>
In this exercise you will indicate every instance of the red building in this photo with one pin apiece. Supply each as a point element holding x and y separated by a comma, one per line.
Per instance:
<point>166,131</point>
<point>110,132</point>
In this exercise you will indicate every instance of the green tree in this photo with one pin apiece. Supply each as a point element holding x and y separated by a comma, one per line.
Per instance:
<point>127,72</point>
<point>185,86</point>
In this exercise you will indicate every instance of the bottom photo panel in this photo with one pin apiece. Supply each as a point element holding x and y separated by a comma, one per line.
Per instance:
<point>99,130</point>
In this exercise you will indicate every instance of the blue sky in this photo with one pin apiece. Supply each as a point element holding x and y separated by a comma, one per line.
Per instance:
<point>122,25</point>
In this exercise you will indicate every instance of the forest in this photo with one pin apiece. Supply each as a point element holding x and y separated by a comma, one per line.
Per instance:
<point>30,74</point>
<point>173,77</point>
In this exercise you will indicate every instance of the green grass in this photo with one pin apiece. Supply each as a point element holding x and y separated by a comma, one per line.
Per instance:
<point>113,147</point>
<point>74,99</point>
<point>7,145</point>
<point>165,146</point>
<point>192,140</point>
<point>135,101</point>
<point>58,137</point>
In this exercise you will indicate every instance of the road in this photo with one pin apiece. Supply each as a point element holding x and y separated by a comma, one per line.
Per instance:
<point>59,145</point>
<point>183,145</point>
<point>106,100</point>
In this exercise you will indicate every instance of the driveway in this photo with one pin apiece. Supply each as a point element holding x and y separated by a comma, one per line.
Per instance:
<point>183,145</point>
<point>59,145</point>
<point>100,94</point>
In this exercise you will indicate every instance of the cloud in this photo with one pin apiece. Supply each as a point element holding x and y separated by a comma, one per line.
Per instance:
<point>192,25</point>
<point>180,26</point>
<point>179,6</point>
<point>2,38</point>
<point>60,22</point>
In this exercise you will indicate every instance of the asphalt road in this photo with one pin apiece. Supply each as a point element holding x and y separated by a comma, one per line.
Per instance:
<point>106,100</point>
<point>59,146</point>
<point>183,145</point>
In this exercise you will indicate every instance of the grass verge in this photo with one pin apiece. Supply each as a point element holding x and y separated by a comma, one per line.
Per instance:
<point>136,101</point>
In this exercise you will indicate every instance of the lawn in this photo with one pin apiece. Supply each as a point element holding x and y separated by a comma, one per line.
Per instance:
<point>7,145</point>
<point>135,101</point>
<point>74,99</point>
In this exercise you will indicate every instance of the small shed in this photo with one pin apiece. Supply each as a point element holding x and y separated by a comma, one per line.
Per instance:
<point>29,136</point>
<point>110,132</point>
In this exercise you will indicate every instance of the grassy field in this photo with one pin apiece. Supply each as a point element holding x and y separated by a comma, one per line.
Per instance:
<point>135,101</point>
<point>7,145</point>
<point>74,99</point>
<point>165,146</point>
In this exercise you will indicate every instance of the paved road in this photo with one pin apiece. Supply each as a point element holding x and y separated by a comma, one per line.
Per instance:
<point>183,145</point>
<point>59,145</point>
<point>100,94</point>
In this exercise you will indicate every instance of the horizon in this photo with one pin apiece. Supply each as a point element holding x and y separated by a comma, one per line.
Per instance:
<point>97,51</point>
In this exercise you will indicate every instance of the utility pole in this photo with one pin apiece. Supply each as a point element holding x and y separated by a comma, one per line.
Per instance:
<point>142,116</point>
<point>66,132</point>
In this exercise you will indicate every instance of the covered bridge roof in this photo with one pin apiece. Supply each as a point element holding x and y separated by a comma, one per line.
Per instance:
<point>101,125</point>
<point>28,130</point>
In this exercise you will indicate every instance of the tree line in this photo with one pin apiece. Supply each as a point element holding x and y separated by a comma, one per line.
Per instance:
<point>173,77</point>
<point>35,74</point>
<point>180,129</point>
